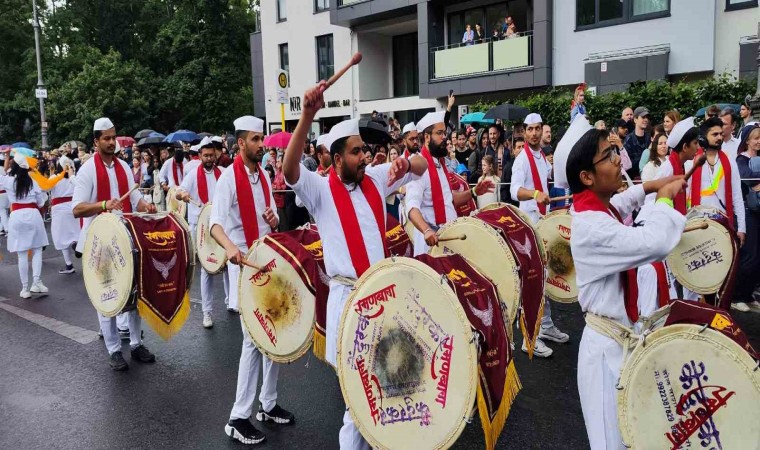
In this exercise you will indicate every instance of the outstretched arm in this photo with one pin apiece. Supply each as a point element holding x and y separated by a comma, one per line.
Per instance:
<point>313,101</point>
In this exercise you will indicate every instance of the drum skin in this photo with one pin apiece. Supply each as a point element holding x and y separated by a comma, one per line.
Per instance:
<point>702,259</point>
<point>174,205</point>
<point>276,305</point>
<point>406,361</point>
<point>211,255</point>
<point>688,383</point>
<point>554,231</point>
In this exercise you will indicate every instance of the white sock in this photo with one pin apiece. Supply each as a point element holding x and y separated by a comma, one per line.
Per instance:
<point>67,256</point>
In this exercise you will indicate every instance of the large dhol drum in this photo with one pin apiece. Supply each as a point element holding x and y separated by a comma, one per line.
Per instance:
<point>211,255</point>
<point>173,205</point>
<point>399,241</point>
<point>407,362</point>
<point>554,230</point>
<point>277,297</point>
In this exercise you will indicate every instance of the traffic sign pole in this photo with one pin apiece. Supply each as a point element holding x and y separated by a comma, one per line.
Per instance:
<point>282,93</point>
<point>40,83</point>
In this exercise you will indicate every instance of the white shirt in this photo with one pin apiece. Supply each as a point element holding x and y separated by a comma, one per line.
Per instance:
<point>190,166</point>
<point>167,176</point>
<point>602,248</point>
<point>720,195</point>
<point>523,178</point>
<point>665,170</point>
<point>35,195</point>
<point>190,185</point>
<point>64,188</point>
<point>731,147</point>
<point>226,209</point>
<point>86,190</point>
<point>419,194</point>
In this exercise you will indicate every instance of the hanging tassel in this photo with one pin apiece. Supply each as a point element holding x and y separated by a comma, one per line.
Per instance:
<point>492,428</point>
<point>163,329</point>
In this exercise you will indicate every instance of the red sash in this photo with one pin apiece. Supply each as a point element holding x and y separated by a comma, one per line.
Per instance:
<point>248,214</point>
<point>439,208</point>
<point>59,200</point>
<point>696,185</point>
<point>177,176</point>
<point>537,185</point>
<point>104,185</point>
<point>350,223</point>
<point>663,289</point>
<point>203,184</point>
<point>588,201</point>
<point>679,203</point>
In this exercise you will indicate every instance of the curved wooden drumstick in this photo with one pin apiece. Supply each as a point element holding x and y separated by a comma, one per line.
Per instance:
<point>701,226</point>
<point>559,199</point>
<point>198,204</point>
<point>699,162</point>
<point>355,59</point>
<point>253,266</point>
<point>460,237</point>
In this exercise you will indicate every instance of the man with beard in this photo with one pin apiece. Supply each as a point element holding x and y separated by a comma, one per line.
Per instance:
<point>430,201</point>
<point>348,207</point>
<point>172,171</point>
<point>410,138</point>
<point>199,185</point>
<point>530,173</point>
<point>242,213</point>
<point>100,183</point>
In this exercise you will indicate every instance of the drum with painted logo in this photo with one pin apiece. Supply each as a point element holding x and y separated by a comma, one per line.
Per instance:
<point>173,205</point>
<point>554,230</point>
<point>211,255</point>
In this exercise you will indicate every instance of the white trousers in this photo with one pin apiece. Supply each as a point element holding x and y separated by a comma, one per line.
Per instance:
<point>251,360</point>
<point>111,334</point>
<point>233,273</point>
<point>546,320</point>
<point>207,289</point>
<point>3,217</point>
<point>23,266</point>
<point>350,438</point>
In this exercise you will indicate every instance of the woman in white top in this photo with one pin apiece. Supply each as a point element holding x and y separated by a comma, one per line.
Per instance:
<point>487,165</point>
<point>26,231</point>
<point>64,226</point>
<point>658,152</point>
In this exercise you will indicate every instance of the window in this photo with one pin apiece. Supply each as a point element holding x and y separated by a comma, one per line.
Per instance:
<point>406,69</point>
<point>596,13</point>
<point>733,5</point>
<point>325,64</point>
<point>321,6</point>
<point>282,11</point>
<point>284,58</point>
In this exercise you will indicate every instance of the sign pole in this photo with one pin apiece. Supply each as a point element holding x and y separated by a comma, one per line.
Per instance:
<point>40,83</point>
<point>282,93</point>
<point>282,115</point>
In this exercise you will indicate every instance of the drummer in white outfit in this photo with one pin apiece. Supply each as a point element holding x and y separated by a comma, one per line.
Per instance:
<point>4,204</point>
<point>173,167</point>
<point>65,227</point>
<point>529,195</point>
<point>26,230</point>
<point>604,249</point>
<point>236,233</point>
<point>85,204</point>
<point>315,191</point>
<point>189,190</point>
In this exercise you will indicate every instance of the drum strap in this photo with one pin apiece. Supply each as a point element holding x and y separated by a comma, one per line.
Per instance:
<point>537,183</point>
<point>436,191</point>
<point>679,202</point>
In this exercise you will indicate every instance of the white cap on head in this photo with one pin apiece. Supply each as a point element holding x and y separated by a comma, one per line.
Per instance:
<point>20,159</point>
<point>102,124</point>
<point>430,119</point>
<point>205,142</point>
<point>195,148</point>
<point>408,127</point>
<point>217,139</point>
<point>343,129</point>
<point>679,129</point>
<point>249,123</point>
<point>573,134</point>
<point>65,161</point>
<point>532,119</point>
<point>321,140</point>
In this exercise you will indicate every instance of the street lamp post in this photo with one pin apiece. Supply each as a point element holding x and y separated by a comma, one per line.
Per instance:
<point>754,102</point>
<point>40,83</point>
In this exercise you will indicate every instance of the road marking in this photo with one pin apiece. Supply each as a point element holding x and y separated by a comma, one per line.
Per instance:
<point>75,333</point>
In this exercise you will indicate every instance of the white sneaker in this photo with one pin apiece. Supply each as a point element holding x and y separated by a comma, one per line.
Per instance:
<point>540,350</point>
<point>25,293</point>
<point>755,306</point>
<point>740,306</point>
<point>39,288</point>
<point>207,322</point>
<point>553,334</point>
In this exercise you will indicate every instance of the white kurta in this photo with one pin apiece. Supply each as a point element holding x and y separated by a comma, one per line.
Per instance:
<point>166,175</point>
<point>715,200</point>
<point>314,191</point>
<point>64,227</point>
<point>26,230</point>
<point>731,147</point>
<point>522,178</point>
<point>189,166</point>
<point>665,170</point>
<point>420,195</point>
<point>86,190</point>
<point>603,248</point>
<point>190,185</point>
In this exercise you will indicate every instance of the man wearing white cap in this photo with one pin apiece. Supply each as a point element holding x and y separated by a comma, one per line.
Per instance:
<point>195,159</point>
<point>173,170</point>
<point>322,154</point>
<point>683,144</point>
<point>349,209</point>
<point>410,137</point>
<point>199,186</point>
<point>242,213</point>
<point>530,174</point>
<point>64,227</point>
<point>430,202</point>
<point>100,183</point>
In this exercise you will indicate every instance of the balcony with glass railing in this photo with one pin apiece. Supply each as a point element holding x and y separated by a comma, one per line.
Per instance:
<point>485,57</point>
<point>342,3</point>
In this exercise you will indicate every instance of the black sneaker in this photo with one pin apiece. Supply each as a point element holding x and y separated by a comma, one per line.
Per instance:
<point>117,362</point>
<point>243,430</point>
<point>142,354</point>
<point>124,334</point>
<point>66,270</point>
<point>276,415</point>
<point>232,310</point>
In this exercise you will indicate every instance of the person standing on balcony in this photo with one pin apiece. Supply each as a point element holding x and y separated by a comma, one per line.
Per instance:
<point>479,33</point>
<point>469,36</point>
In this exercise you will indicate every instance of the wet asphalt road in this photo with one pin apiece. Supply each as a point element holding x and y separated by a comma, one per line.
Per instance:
<point>58,393</point>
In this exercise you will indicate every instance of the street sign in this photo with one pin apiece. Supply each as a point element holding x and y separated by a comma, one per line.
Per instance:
<point>40,93</point>
<point>44,124</point>
<point>282,87</point>
<point>603,66</point>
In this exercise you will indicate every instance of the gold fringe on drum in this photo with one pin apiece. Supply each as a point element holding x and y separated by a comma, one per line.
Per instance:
<point>492,426</point>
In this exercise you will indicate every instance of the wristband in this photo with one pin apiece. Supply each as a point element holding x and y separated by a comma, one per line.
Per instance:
<point>665,201</point>
<point>103,205</point>
<point>535,194</point>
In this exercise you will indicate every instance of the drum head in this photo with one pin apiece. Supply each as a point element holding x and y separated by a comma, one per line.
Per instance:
<point>704,212</point>
<point>554,231</point>
<point>108,264</point>
<point>702,259</point>
<point>174,205</point>
<point>212,256</point>
<point>407,367</point>
<point>276,305</point>
<point>689,387</point>
<point>485,249</point>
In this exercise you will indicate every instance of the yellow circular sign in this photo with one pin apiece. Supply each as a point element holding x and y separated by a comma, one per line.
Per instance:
<point>282,80</point>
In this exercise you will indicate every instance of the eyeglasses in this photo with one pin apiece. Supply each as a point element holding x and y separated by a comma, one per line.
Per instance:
<point>612,153</point>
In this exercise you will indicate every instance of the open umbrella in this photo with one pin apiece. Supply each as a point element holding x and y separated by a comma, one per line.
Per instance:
<point>280,139</point>
<point>476,117</point>
<point>20,145</point>
<point>721,106</point>
<point>182,135</point>
<point>507,112</point>
<point>125,141</point>
<point>373,132</point>
<point>78,144</point>
<point>143,133</point>
<point>153,138</point>
<point>204,134</point>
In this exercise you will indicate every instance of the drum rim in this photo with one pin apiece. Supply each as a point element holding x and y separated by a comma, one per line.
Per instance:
<point>542,222</point>
<point>396,261</point>
<point>130,262</point>
<point>306,345</point>
<point>191,255</point>
<point>666,334</point>
<point>676,267</point>
<point>207,207</point>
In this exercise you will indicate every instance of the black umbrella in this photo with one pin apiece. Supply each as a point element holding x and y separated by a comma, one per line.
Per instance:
<point>152,139</point>
<point>143,134</point>
<point>373,132</point>
<point>204,134</point>
<point>507,112</point>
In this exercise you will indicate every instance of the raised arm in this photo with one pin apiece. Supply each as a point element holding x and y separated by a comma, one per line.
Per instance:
<point>313,101</point>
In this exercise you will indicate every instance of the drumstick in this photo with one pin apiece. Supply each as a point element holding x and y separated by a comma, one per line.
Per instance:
<point>559,199</point>
<point>198,204</point>
<point>253,266</point>
<point>698,163</point>
<point>461,237</point>
<point>124,197</point>
<point>701,226</point>
<point>355,59</point>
